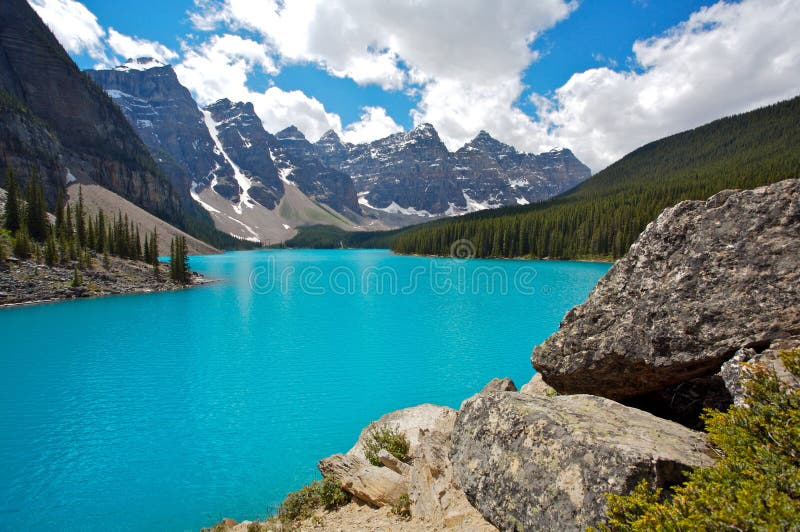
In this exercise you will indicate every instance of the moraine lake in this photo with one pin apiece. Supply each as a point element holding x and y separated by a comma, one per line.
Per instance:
<point>170,411</point>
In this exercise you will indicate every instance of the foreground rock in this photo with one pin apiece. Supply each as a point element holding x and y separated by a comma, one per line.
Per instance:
<point>703,281</point>
<point>26,282</point>
<point>427,478</point>
<point>740,368</point>
<point>545,463</point>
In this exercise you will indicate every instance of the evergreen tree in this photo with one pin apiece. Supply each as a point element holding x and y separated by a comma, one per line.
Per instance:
<point>179,261</point>
<point>80,219</point>
<point>51,250</point>
<point>13,219</point>
<point>61,224</point>
<point>36,212</point>
<point>77,279</point>
<point>153,258</point>
<point>22,243</point>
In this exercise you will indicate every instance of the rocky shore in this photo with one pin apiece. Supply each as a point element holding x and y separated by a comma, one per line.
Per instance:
<point>25,282</point>
<point>709,293</point>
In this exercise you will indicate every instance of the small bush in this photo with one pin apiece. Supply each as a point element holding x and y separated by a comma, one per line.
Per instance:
<point>387,438</point>
<point>402,507</point>
<point>23,247</point>
<point>77,279</point>
<point>755,485</point>
<point>5,244</point>
<point>326,493</point>
<point>255,526</point>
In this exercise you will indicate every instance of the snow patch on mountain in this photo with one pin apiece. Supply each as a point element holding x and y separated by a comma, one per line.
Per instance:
<point>140,63</point>
<point>241,179</point>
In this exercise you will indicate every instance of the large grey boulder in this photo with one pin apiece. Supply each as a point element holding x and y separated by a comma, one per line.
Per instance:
<point>427,478</point>
<point>545,463</point>
<point>705,279</point>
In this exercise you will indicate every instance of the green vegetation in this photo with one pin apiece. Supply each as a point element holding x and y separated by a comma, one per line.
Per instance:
<point>755,485</point>
<point>328,236</point>
<point>387,438</point>
<point>179,261</point>
<point>602,217</point>
<point>75,237</point>
<point>326,493</point>
<point>402,507</point>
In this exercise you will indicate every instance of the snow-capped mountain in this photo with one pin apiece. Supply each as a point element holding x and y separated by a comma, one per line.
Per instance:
<point>222,158</point>
<point>413,172</point>
<point>299,163</point>
<point>260,186</point>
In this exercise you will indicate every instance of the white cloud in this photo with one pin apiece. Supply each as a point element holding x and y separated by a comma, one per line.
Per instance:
<point>279,109</point>
<point>375,123</point>
<point>219,68</point>
<point>132,47</point>
<point>724,59</point>
<point>463,58</point>
<point>74,26</point>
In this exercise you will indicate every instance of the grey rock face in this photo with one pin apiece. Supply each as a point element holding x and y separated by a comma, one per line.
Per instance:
<point>499,385</point>
<point>739,369</point>
<point>168,120</point>
<point>427,478</point>
<point>415,170</point>
<point>299,161</point>
<point>55,118</point>
<point>544,463</point>
<point>245,141</point>
<point>703,281</point>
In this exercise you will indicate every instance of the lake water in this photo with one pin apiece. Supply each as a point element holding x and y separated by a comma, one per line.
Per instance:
<point>169,411</point>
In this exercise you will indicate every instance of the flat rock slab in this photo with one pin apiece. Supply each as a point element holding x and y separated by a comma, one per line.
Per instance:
<point>545,463</point>
<point>704,280</point>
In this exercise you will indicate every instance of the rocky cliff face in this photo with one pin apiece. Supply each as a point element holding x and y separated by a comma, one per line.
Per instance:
<point>168,120</point>
<point>247,146</point>
<point>300,163</point>
<point>52,110</point>
<point>703,281</point>
<point>414,173</point>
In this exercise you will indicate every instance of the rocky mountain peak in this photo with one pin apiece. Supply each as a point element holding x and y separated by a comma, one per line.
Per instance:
<point>290,133</point>
<point>329,137</point>
<point>141,63</point>
<point>486,143</point>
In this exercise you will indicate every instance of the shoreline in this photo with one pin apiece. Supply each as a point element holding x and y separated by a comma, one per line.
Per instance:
<point>27,283</point>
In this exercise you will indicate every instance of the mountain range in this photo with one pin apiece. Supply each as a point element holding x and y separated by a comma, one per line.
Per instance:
<point>260,186</point>
<point>215,171</point>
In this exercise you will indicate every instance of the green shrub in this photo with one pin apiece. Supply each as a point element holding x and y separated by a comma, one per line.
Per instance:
<point>5,244</point>
<point>255,526</point>
<point>387,438</point>
<point>326,493</point>
<point>402,507</point>
<point>77,279</point>
<point>755,484</point>
<point>23,247</point>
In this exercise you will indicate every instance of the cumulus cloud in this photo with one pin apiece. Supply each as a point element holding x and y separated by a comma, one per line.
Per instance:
<point>375,123</point>
<point>463,58</point>
<point>74,26</point>
<point>725,59</point>
<point>219,68</point>
<point>133,47</point>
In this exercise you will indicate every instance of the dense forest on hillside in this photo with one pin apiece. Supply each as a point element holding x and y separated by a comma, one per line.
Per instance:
<point>603,216</point>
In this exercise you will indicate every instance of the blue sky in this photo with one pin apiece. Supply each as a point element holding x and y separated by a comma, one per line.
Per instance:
<point>600,77</point>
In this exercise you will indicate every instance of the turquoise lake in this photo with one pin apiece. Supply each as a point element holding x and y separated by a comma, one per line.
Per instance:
<point>170,411</point>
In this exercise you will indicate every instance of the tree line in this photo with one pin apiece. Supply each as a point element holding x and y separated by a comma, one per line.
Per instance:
<point>603,216</point>
<point>76,238</point>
